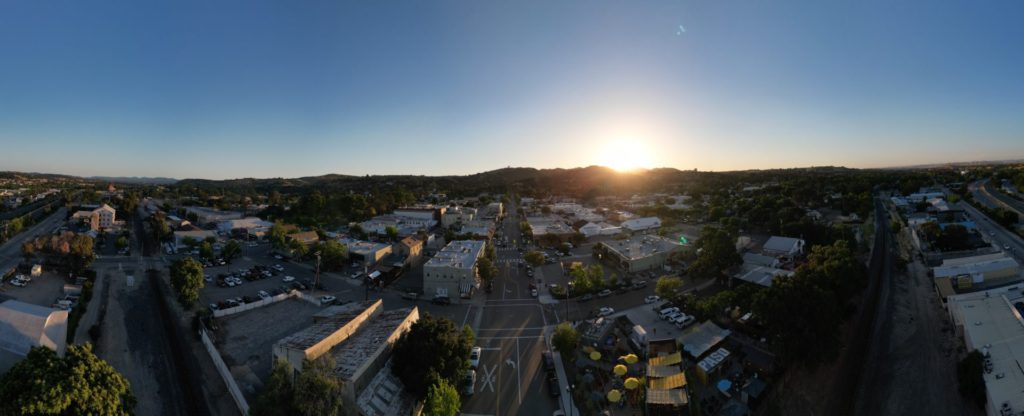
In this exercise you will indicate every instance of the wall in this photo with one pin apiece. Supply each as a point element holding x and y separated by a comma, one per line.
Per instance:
<point>225,374</point>
<point>258,304</point>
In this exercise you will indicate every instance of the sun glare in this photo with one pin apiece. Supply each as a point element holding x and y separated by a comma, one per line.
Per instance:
<point>626,155</point>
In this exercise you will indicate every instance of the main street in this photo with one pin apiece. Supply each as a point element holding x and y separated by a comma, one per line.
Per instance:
<point>10,251</point>
<point>999,235</point>
<point>509,327</point>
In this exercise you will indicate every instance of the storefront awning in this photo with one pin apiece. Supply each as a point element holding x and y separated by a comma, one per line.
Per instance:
<point>670,382</point>
<point>674,358</point>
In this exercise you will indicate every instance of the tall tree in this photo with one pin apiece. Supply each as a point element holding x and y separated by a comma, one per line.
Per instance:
<point>278,394</point>
<point>565,340</point>
<point>486,269</point>
<point>78,384</point>
<point>318,391</point>
<point>442,400</point>
<point>432,349</point>
<point>187,279</point>
<point>231,249</point>
<point>534,258</point>
<point>717,253</point>
<point>206,250</point>
<point>332,254</point>
<point>277,234</point>
<point>668,287</point>
<point>392,232</point>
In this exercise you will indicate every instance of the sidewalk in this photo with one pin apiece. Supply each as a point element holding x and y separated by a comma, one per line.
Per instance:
<point>565,399</point>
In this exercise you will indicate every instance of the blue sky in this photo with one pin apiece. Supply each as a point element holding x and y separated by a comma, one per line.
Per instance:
<point>225,89</point>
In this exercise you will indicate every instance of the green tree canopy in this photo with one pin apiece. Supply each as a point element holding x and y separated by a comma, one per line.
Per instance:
<point>486,269</point>
<point>717,253</point>
<point>332,254</point>
<point>206,250</point>
<point>277,234</point>
<point>668,286</point>
<point>432,349</point>
<point>278,394</point>
<point>442,399</point>
<point>318,391</point>
<point>187,279</point>
<point>78,384</point>
<point>231,249</point>
<point>534,258</point>
<point>565,339</point>
<point>970,377</point>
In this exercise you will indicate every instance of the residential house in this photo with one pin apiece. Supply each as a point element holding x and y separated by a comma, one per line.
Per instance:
<point>783,246</point>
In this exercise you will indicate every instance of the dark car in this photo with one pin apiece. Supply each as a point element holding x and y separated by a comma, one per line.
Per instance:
<point>553,388</point>
<point>441,300</point>
<point>549,361</point>
<point>586,297</point>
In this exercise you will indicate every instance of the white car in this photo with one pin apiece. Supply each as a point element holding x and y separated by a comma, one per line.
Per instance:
<point>18,282</point>
<point>279,267</point>
<point>673,316</point>
<point>263,294</point>
<point>474,357</point>
<point>651,299</point>
<point>605,311</point>
<point>327,299</point>
<point>683,320</point>
<point>533,292</point>
<point>288,279</point>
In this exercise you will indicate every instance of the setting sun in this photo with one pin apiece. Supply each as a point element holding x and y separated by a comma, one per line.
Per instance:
<point>625,155</point>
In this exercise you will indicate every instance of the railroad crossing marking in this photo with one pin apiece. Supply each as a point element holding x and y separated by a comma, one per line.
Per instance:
<point>489,377</point>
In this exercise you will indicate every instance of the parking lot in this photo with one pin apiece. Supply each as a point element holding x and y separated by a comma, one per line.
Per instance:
<point>245,340</point>
<point>342,288</point>
<point>43,290</point>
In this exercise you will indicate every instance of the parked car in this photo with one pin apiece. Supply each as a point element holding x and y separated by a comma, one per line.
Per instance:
<point>604,293</point>
<point>470,382</point>
<point>586,298</point>
<point>673,316</point>
<point>553,388</point>
<point>668,311</point>
<point>288,279</point>
<point>411,296</point>
<point>263,294</point>
<point>325,299</point>
<point>279,267</point>
<point>441,300</point>
<point>605,311</point>
<point>651,299</point>
<point>18,282</point>
<point>684,321</point>
<point>639,284</point>
<point>474,357</point>
<point>533,292</point>
<point>548,360</point>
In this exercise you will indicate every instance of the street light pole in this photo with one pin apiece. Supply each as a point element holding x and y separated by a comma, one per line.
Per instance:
<point>317,279</point>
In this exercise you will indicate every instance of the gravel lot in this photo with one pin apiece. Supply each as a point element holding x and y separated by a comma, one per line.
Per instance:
<point>245,339</point>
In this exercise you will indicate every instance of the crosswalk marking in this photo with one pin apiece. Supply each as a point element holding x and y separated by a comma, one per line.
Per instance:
<point>489,378</point>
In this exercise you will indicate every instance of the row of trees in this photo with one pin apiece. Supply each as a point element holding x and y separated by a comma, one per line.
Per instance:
<point>73,251</point>
<point>187,280</point>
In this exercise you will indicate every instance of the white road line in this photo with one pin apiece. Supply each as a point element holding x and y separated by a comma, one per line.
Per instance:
<point>519,382</point>
<point>523,337</point>
<point>512,329</point>
<point>467,315</point>
<point>489,378</point>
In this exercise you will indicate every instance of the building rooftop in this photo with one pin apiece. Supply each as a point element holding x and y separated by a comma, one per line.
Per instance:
<point>313,335</point>
<point>783,244</point>
<point>354,352</point>
<point>362,247</point>
<point>981,266</point>
<point>460,254</point>
<point>638,247</point>
<point>385,395</point>
<point>24,325</point>
<point>992,323</point>
<point>703,338</point>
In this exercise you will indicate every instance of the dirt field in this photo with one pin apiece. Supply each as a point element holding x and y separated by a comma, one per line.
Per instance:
<point>919,355</point>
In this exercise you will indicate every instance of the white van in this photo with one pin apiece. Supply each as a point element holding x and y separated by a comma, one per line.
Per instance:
<point>668,311</point>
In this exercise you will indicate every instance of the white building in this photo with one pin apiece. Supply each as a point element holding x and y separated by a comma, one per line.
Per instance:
<point>991,323</point>
<point>595,229</point>
<point>24,325</point>
<point>452,271</point>
<point>783,246</point>
<point>640,252</point>
<point>253,226</point>
<point>641,224</point>
<point>405,225</point>
<point>212,215</point>
<point>456,215</point>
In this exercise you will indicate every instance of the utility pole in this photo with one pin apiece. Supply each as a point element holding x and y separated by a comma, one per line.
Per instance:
<point>316,282</point>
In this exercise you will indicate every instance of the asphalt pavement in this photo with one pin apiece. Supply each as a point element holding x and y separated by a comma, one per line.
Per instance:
<point>10,251</point>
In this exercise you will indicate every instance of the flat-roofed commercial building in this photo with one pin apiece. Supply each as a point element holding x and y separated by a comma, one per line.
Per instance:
<point>370,253</point>
<point>977,272</point>
<point>640,252</point>
<point>991,323</point>
<point>452,271</point>
<point>359,339</point>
